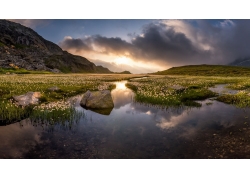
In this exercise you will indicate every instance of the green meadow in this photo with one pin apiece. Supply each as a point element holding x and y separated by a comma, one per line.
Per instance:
<point>160,90</point>
<point>69,85</point>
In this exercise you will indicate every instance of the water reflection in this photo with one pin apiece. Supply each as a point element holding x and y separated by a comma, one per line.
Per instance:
<point>221,89</point>
<point>134,130</point>
<point>121,95</point>
<point>18,138</point>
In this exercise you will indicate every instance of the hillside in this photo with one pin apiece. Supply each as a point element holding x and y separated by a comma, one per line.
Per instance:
<point>206,70</point>
<point>22,47</point>
<point>123,72</point>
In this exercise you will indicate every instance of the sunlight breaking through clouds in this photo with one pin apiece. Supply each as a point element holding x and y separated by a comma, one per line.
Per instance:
<point>166,43</point>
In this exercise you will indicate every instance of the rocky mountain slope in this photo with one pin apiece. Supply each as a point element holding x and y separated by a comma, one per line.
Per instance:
<point>22,47</point>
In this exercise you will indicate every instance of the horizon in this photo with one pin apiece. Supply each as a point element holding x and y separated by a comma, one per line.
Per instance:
<point>146,46</point>
<point>222,131</point>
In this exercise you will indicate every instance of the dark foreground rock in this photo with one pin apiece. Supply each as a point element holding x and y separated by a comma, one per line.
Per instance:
<point>29,98</point>
<point>97,100</point>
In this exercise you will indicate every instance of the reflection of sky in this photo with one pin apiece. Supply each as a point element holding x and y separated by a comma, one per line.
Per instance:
<point>131,127</point>
<point>221,89</point>
<point>18,138</point>
<point>121,95</point>
<point>187,121</point>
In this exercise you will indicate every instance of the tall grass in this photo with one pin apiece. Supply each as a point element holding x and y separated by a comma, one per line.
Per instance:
<point>69,85</point>
<point>57,113</point>
<point>162,89</point>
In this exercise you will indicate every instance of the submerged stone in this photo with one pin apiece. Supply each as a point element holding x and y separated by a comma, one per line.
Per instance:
<point>97,100</point>
<point>27,99</point>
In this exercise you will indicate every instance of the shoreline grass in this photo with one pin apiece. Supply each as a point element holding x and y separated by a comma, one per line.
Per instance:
<point>69,85</point>
<point>171,91</point>
<point>162,90</point>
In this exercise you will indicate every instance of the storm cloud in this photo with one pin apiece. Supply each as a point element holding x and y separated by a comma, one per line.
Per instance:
<point>78,45</point>
<point>174,42</point>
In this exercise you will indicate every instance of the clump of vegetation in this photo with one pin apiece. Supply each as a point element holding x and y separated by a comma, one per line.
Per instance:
<point>209,103</point>
<point>60,113</point>
<point>172,91</point>
<point>20,46</point>
<point>54,112</point>
<point>9,111</point>
<point>241,99</point>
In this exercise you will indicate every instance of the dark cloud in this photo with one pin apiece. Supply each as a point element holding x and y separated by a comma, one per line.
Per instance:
<point>111,45</point>
<point>77,44</point>
<point>175,42</point>
<point>160,44</point>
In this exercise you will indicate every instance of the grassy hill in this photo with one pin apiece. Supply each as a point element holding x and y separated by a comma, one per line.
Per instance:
<point>206,70</point>
<point>123,72</point>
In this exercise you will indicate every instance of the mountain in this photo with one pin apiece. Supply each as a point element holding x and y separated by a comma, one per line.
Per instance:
<point>123,72</point>
<point>22,47</point>
<point>206,70</point>
<point>244,62</point>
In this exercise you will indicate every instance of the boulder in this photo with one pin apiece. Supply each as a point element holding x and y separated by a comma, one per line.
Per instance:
<point>97,100</point>
<point>27,99</point>
<point>55,88</point>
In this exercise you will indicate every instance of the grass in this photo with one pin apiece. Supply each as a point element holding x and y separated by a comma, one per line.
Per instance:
<point>207,70</point>
<point>60,112</point>
<point>241,99</point>
<point>21,71</point>
<point>11,112</point>
<point>69,84</point>
<point>161,91</point>
<point>20,46</point>
<point>185,90</point>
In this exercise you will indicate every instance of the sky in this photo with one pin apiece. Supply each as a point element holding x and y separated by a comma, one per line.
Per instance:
<point>148,45</point>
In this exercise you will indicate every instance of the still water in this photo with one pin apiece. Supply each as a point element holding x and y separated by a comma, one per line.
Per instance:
<point>134,130</point>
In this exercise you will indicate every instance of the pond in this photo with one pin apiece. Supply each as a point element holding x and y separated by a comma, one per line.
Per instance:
<point>134,130</point>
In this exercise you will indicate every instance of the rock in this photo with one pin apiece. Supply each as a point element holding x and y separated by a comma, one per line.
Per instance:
<point>55,88</point>
<point>84,98</point>
<point>97,100</point>
<point>28,98</point>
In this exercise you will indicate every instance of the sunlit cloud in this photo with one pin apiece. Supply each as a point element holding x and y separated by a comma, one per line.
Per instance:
<point>123,60</point>
<point>166,43</point>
